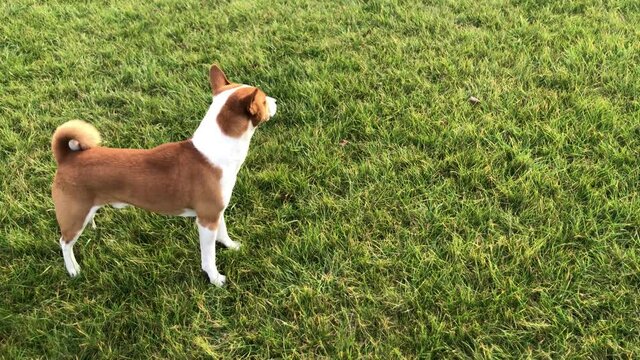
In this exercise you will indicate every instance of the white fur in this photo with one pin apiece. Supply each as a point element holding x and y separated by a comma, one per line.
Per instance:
<point>188,213</point>
<point>222,151</point>
<point>223,237</point>
<point>69,259</point>
<point>225,152</point>
<point>228,154</point>
<point>74,145</point>
<point>67,247</point>
<point>271,105</point>
<point>208,255</point>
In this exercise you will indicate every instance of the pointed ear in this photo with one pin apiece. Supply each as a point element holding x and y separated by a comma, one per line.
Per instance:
<point>253,106</point>
<point>217,79</point>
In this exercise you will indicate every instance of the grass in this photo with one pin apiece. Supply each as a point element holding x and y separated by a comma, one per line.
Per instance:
<point>508,229</point>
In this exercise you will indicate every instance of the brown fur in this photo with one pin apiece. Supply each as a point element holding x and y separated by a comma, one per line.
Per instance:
<point>224,88</point>
<point>83,133</point>
<point>217,79</point>
<point>258,107</point>
<point>167,179</point>
<point>245,105</point>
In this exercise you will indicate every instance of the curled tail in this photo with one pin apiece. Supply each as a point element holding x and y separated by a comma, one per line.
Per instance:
<point>74,135</point>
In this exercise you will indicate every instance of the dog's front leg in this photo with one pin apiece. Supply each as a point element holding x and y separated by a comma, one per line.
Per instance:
<point>223,237</point>
<point>207,232</point>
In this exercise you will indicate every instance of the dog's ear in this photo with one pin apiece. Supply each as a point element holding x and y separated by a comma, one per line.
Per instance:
<point>217,78</point>
<point>257,106</point>
<point>253,106</point>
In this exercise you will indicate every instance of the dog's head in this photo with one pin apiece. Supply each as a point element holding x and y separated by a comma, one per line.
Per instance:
<point>242,107</point>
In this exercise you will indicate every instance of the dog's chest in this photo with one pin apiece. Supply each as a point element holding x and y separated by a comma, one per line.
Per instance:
<point>228,180</point>
<point>228,155</point>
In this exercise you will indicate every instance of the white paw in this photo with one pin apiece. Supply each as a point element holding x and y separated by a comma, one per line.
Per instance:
<point>233,245</point>
<point>73,270</point>
<point>230,244</point>
<point>218,279</point>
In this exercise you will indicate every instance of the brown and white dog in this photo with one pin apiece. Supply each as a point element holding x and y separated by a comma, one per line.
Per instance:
<point>189,178</point>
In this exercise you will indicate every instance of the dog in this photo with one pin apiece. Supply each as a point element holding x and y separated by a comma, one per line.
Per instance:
<point>193,178</point>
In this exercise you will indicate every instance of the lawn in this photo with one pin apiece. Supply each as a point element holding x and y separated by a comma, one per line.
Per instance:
<point>381,213</point>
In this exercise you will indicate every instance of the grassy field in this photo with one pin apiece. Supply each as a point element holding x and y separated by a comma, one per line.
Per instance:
<point>381,214</point>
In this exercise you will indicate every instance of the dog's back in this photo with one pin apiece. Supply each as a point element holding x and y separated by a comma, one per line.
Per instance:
<point>101,175</point>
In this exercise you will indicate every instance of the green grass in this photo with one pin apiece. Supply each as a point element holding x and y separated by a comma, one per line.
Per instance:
<point>508,229</point>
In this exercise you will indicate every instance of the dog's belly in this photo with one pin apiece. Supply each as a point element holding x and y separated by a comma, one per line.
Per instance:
<point>184,213</point>
<point>188,213</point>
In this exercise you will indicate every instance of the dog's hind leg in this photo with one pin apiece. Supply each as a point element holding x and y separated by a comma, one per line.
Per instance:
<point>72,221</point>
<point>69,258</point>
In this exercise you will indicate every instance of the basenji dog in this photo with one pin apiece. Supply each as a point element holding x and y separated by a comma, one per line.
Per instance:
<point>192,178</point>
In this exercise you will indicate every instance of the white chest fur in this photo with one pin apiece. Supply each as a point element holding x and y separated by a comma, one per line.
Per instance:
<point>223,151</point>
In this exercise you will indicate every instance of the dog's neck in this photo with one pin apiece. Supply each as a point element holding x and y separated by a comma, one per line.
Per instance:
<point>220,149</point>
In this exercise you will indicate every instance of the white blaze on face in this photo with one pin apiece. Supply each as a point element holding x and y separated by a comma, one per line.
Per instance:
<point>271,106</point>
